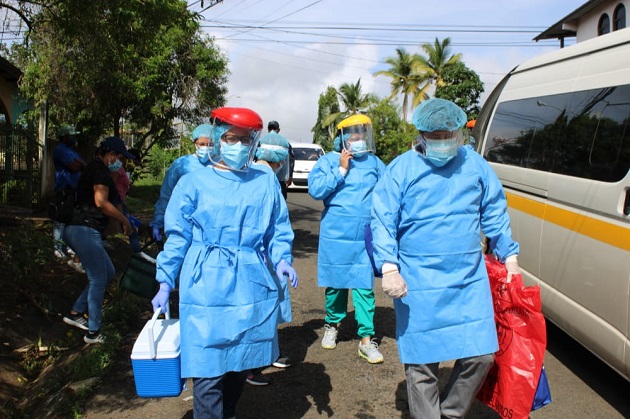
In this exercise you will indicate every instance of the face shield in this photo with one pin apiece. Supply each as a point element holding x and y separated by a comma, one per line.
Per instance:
<point>439,147</point>
<point>358,139</point>
<point>237,148</point>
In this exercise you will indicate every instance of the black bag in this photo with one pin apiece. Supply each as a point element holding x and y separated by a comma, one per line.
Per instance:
<point>62,206</point>
<point>139,278</point>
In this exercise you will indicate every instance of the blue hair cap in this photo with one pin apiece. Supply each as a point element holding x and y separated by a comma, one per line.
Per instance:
<point>438,115</point>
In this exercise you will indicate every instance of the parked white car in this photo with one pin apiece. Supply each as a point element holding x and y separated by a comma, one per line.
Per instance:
<point>306,155</point>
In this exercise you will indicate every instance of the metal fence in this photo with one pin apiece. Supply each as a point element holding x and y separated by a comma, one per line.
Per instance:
<point>19,168</point>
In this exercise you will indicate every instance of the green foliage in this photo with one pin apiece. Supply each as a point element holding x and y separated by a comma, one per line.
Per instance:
<point>328,104</point>
<point>145,61</point>
<point>462,86</point>
<point>408,79</point>
<point>392,136</point>
<point>25,251</point>
<point>437,59</point>
<point>353,100</point>
<point>159,160</point>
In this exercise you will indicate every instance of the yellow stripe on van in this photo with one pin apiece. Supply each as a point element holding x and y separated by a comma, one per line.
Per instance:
<point>602,231</point>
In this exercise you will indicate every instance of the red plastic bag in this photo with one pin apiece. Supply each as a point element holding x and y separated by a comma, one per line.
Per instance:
<point>511,384</point>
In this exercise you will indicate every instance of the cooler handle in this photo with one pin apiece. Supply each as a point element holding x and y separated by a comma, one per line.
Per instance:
<point>152,345</point>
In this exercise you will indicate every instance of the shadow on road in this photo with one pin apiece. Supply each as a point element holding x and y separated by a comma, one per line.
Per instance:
<point>591,370</point>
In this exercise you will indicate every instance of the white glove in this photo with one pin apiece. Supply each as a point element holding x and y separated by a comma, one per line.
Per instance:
<point>511,264</point>
<point>394,286</point>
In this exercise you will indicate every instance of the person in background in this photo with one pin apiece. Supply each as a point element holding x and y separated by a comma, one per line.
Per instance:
<point>95,193</point>
<point>285,173</point>
<point>428,212</point>
<point>344,180</point>
<point>185,164</point>
<point>271,157</point>
<point>68,166</point>
<point>123,183</point>
<point>217,223</point>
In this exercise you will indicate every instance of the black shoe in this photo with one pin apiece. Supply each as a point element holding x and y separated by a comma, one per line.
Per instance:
<point>258,379</point>
<point>93,337</point>
<point>282,362</point>
<point>76,320</point>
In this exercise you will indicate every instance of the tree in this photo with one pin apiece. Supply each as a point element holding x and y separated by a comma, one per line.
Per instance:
<point>146,62</point>
<point>406,78</point>
<point>438,59</point>
<point>392,135</point>
<point>353,100</point>
<point>328,104</point>
<point>462,86</point>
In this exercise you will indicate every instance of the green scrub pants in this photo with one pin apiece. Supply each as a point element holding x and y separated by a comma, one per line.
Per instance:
<point>364,307</point>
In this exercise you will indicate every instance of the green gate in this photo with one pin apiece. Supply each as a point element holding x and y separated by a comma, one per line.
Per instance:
<point>19,168</point>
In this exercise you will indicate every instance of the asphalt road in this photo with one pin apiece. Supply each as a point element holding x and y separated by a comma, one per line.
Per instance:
<point>581,385</point>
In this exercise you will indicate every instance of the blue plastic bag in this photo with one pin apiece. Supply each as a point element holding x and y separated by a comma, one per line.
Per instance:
<point>543,394</point>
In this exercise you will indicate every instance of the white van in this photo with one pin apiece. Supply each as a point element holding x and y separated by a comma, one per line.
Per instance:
<point>557,132</point>
<point>306,155</point>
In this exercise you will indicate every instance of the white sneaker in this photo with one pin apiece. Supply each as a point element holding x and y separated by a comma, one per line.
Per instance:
<point>370,352</point>
<point>76,266</point>
<point>329,341</point>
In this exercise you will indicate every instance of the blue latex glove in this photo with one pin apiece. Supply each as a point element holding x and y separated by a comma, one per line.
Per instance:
<point>284,268</point>
<point>161,298</point>
<point>156,234</point>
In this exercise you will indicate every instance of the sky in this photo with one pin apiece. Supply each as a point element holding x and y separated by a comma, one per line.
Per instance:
<point>284,53</point>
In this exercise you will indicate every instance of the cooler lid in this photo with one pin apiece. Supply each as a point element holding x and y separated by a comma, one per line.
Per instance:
<point>166,336</point>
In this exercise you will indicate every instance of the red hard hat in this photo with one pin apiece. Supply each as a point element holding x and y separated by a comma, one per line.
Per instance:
<point>239,117</point>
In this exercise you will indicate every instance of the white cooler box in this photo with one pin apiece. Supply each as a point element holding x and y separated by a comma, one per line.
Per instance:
<point>156,359</point>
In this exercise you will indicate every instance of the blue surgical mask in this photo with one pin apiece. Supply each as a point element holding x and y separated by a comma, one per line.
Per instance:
<point>440,152</point>
<point>202,154</point>
<point>115,166</point>
<point>235,155</point>
<point>358,148</point>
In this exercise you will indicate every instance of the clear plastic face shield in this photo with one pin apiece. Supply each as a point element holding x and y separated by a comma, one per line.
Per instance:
<point>358,139</point>
<point>439,147</point>
<point>236,147</point>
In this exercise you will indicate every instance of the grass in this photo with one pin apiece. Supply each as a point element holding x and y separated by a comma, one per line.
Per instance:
<point>142,197</point>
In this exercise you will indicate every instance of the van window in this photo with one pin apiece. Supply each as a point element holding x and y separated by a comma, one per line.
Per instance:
<point>583,134</point>
<point>312,154</point>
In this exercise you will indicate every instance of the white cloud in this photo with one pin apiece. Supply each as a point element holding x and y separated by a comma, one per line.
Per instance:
<point>280,73</point>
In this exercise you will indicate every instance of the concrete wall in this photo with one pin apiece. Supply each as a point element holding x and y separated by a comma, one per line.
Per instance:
<point>587,25</point>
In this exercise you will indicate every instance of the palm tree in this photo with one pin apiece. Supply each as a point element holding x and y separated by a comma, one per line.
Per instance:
<point>438,58</point>
<point>406,78</point>
<point>352,99</point>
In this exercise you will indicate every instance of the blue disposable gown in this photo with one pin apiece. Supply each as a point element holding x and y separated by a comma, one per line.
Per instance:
<point>217,222</point>
<point>181,166</point>
<point>342,260</point>
<point>427,220</point>
<point>285,314</point>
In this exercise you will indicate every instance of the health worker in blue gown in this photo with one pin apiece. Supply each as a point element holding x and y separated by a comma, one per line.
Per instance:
<point>344,180</point>
<point>217,221</point>
<point>271,156</point>
<point>429,210</point>
<point>184,164</point>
